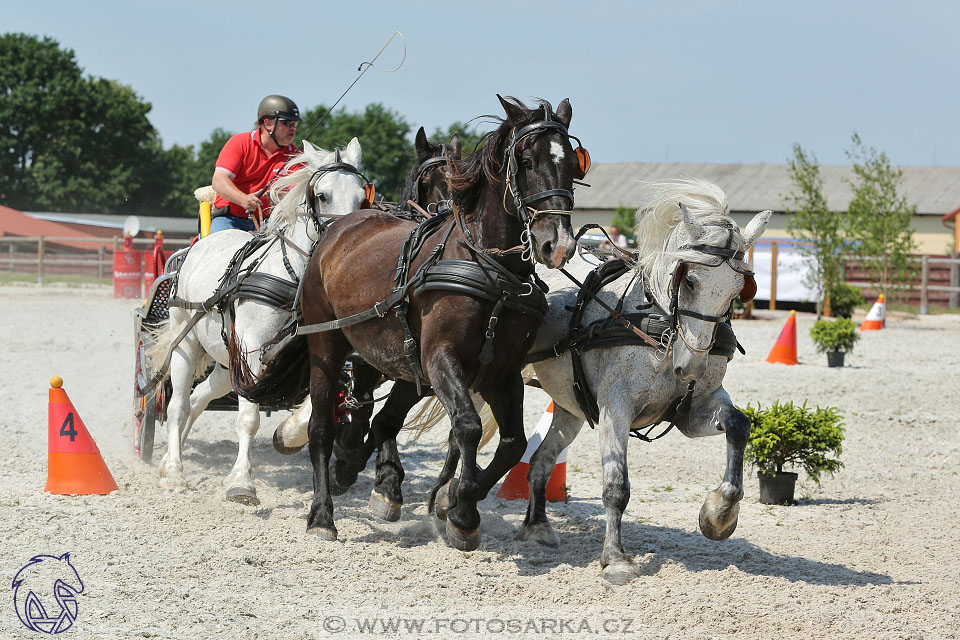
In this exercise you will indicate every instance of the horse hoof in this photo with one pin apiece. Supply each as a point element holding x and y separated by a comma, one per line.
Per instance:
<point>383,507</point>
<point>172,482</point>
<point>341,479</point>
<point>462,540</point>
<point>620,573</point>
<point>540,532</point>
<point>282,448</point>
<point>243,495</point>
<point>718,519</point>
<point>443,502</point>
<point>324,533</point>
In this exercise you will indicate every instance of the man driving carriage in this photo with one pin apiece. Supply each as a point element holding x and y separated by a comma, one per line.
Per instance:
<point>249,161</point>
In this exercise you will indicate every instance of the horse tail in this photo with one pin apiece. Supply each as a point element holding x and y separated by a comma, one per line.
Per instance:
<point>284,379</point>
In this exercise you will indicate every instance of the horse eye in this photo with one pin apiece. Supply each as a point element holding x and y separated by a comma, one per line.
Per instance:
<point>322,197</point>
<point>527,163</point>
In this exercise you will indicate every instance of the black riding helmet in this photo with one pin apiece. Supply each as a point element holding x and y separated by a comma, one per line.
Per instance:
<point>277,106</point>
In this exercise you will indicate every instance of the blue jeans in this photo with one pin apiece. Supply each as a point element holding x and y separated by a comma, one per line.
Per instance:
<point>230,222</point>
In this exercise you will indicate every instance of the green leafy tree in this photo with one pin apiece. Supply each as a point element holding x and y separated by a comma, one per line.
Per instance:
<point>812,220</point>
<point>383,135</point>
<point>469,136</point>
<point>880,217</point>
<point>69,143</point>
<point>625,219</point>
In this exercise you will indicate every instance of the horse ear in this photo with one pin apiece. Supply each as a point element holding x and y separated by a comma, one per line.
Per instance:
<point>455,146</point>
<point>694,228</point>
<point>514,113</point>
<point>309,145</point>
<point>564,113</point>
<point>421,143</point>
<point>352,152</point>
<point>755,227</point>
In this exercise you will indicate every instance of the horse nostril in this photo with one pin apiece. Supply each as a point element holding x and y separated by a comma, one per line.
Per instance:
<point>547,248</point>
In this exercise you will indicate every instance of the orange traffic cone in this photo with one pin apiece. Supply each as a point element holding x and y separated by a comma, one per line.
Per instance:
<point>516,487</point>
<point>876,318</point>
<point>785,349</point>
<point>74,464</point>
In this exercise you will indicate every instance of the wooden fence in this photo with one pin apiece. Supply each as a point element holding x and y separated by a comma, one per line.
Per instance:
<point>44,256</point>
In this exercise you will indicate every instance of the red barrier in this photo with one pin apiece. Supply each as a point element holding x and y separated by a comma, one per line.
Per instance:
<point>127,271</point>
<point>154,262</point>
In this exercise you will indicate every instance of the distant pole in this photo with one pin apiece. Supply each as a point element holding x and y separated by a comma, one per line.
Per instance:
<point>40,248</point>
<point>773,276</point>
<point>924,281</point>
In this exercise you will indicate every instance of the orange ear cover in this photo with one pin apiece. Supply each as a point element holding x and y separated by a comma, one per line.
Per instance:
<point>583,163</point>
<point>369,193</point>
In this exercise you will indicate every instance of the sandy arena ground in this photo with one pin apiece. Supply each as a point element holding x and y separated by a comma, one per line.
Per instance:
<point>871,553</point>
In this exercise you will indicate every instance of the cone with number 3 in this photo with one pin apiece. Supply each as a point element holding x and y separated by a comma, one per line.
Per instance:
<point>75,466</point>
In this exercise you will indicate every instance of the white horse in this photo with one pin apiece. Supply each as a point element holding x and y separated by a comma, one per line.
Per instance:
<point>291,232</point>
<point>691,268</point>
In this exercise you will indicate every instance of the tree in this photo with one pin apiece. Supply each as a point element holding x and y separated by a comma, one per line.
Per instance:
<point>69,143</point>
<point>812,220</point>
<point>387,153</point>
<point>625,219</point>
<point>880,216</point>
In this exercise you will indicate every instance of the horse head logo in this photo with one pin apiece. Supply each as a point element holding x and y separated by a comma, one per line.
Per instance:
<point>45,593</point>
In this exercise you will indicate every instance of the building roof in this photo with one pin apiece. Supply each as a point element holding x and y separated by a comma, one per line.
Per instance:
<point>15,223</point>
<point>148,224</point>
<point>755,187</point>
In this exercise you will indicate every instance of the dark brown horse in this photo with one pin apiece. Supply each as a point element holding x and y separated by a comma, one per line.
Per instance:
<point>458,316</point>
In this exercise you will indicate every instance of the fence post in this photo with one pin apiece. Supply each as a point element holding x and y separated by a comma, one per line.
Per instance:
<point>10,247</point>
<point>924,282</point>
<point>773,276</point>
<point>40,248</point>
<point>101,251</point>
<point>954,279</point>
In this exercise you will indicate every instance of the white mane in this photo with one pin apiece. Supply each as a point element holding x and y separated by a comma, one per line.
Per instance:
<point>660,216</point>
<point>289,191</point>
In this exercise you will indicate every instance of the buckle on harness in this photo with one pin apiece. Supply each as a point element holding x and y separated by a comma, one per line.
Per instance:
<point>381,311</point>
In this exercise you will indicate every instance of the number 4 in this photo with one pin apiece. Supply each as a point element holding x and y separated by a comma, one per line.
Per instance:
<point>67,428</point>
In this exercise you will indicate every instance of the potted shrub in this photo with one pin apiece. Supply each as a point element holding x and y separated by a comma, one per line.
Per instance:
<point>786,434</point>
<point>844,298</point>
<point>835,338</point>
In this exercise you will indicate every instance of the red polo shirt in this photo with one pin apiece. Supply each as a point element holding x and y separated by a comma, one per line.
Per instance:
<point>245,160</point>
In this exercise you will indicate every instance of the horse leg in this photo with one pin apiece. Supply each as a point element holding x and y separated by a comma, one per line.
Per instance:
<point>326,362</point>
<point>563,430</point>
<point>617,565</point>
<point>441,505</point>
<point>182,368</point>
<point>215,386</point>
<point>463,518</point>
<point>710,416</point>
<point>387,497</point>
<point>506,403</point>
<point>291,435</point>
<point>354,443</point>
<point>239,482</point>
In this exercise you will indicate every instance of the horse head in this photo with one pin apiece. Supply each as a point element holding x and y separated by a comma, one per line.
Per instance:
<point>541,165</point>
<point>427,181</point>
<point>693,258</point>
<point>320,184</point>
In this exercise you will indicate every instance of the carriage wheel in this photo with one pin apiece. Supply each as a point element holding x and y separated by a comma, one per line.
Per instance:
<point>146,407</point>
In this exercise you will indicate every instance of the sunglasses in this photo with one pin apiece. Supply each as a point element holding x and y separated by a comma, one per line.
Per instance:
<point>289,123</point>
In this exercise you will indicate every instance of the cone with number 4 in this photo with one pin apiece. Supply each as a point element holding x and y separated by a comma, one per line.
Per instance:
<point>74,464</point>
<point>516,486</point>
<point>875,318</point>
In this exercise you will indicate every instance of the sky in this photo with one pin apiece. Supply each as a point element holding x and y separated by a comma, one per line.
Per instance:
<point>721,81</point>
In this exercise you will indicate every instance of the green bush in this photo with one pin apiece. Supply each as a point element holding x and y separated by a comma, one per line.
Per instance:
<point>844,298</point>
<point>788,434</point>
<point>834,335</point>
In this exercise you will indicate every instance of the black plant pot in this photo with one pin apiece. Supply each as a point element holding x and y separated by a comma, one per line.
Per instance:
<point>778,488</point>
<point>835,358</point>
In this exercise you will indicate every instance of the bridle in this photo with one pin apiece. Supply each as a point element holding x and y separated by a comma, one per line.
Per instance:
<point>337,165</point>
<point>727,254</point>
<point>523,212</point>
<point>426,167</point>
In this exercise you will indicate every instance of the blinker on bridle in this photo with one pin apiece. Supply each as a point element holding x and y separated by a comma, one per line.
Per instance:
<point>338,164</point>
